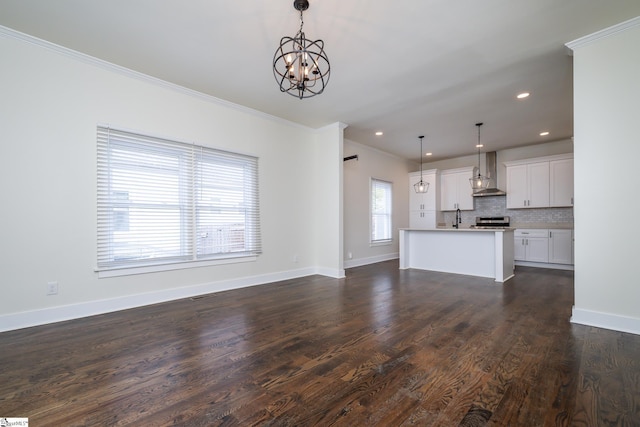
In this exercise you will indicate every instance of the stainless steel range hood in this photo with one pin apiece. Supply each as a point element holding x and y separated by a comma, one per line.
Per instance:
<point>492,174</point>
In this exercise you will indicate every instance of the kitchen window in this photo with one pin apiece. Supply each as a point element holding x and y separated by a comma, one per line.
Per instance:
<point>164,203</point>
<point>381,192</point>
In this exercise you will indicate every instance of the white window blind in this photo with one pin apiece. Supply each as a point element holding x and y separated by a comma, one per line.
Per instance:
<point>380,211</point>
<point>163,202</point>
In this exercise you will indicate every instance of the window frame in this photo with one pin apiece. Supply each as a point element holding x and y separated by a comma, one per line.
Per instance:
<point>130,160</point>
<point>373,184</point>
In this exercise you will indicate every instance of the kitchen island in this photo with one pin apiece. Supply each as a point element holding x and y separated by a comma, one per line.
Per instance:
<point>472,251</point>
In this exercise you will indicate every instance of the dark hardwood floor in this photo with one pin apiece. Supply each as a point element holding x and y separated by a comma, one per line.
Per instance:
<point>383,347</point>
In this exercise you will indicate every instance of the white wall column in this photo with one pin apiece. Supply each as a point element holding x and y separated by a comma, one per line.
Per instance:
<point>606,155</point>
<point>328,209</point>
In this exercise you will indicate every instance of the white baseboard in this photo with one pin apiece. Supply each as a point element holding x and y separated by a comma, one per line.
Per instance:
<point>336,273</point>
<point>370,260</point>
<point>44,316</point>
<point>545,265</point>
<point>606,321</point>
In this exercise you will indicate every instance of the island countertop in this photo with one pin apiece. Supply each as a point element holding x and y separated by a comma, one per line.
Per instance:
<point>490,230</point>
<point>474,251</point>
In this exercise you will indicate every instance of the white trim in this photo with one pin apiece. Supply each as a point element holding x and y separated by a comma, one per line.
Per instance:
<point>44,316</point>
<point>341,126</point>
<point>457,170</point>
<point>565,156</point>
<point>336,273</point>
<point>591,38</point>
<point>130,271</point>
<point>100,63</point>
<point>545,265</point>
<point>370,260</point>
<point>598,319</point>
<point>386,242</point>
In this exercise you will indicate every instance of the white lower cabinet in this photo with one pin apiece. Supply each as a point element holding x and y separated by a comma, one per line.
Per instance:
<point>543,246</point>
<point>531,245</point>
<point>561,246</point>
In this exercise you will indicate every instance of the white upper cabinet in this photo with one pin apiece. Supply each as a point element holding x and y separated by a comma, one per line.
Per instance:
<point>455,190</point>
<point>540,183</point>
<point>561,184</point>
<point>423,207</point>
<point>528,185</point>
<point>428,200</point>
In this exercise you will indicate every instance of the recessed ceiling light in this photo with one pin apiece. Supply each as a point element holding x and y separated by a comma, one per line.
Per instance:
<point>429,154</point>
<point>523,95</point>
<point>379,133</point>
<point>479,145</point>
<point>544,133</point>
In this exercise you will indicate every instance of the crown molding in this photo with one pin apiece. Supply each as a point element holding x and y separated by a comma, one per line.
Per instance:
<point>108,66</point>
<point>607,32</point>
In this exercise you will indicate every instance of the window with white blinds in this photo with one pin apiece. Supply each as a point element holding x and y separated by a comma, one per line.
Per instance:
<point>380,211</point>
<point>164,202</point>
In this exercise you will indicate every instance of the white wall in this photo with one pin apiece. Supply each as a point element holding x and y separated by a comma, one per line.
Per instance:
<point>327,197</point>
<point>607,154</point>
<point>372,163</point>
<point>50,105</point>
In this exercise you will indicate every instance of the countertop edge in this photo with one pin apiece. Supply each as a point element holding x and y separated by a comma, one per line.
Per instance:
<point>475,230</point>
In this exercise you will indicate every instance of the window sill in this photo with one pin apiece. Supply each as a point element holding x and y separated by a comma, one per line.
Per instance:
<point>129,271</point>
<point>381,243</point>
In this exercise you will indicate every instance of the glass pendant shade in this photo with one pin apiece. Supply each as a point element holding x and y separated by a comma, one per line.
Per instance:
<point>479,182</point>
<point>421,186</point>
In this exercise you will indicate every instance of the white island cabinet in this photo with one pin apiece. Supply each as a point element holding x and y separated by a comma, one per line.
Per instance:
<point>476,252</point>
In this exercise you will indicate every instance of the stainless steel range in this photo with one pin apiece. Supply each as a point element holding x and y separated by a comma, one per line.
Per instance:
<point>492,222</point>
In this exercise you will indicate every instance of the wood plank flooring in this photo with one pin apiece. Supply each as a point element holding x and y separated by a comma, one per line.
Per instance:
<point>383,347</point>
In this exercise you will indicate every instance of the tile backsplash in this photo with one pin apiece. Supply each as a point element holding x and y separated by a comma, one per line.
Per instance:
<point>497,206</point>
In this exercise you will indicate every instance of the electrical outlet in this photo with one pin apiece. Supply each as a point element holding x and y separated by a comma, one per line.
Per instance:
<point>52,288</point>
<point>350,255</point>
<point>295,258</point>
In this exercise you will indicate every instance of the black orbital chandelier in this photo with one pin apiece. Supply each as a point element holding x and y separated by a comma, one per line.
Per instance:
<point>300,65</point>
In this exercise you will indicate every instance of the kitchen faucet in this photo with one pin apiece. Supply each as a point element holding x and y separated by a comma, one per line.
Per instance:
<point>458,218</point>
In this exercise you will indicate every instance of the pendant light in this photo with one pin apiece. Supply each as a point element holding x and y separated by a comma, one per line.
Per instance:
<point>300,65</point>
<point>479,182</point>
<point>421,186</point>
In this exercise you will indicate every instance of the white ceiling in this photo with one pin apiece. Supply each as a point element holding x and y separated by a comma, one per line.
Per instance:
<point>408,68</point>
